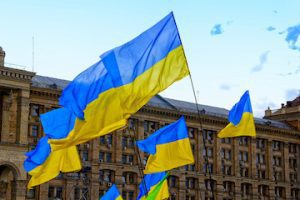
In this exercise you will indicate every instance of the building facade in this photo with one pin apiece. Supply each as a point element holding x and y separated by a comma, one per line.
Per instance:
<point>265,167</point>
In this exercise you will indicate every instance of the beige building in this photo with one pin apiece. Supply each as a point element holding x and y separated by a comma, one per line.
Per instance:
<point>265,167</point>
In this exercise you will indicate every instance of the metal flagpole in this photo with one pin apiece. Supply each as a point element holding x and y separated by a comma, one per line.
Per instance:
<point>198,113</point>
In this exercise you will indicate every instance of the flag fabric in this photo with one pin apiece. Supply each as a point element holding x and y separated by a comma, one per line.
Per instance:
<point>241,119</point>
<point>42,163</point>
<point>169,147</point>
<point>105,95</point>
<point>154,186</point>
<point>112,194</point>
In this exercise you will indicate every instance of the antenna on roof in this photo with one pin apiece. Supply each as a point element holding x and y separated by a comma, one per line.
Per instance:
<point>32,66</point>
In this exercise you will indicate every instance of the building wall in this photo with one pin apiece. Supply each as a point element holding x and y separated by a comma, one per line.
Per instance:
<point>241,168</point>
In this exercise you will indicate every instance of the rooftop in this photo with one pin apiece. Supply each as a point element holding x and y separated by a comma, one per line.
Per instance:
<point>160,102</point>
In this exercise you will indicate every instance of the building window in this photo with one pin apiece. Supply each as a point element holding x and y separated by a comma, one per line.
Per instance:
<point>34,130</point>
<point>34,110</point>
<point>208,152</point>
<point>226,154</point>
<point>106,140</point>
<point>128,159</point>
<point>192,132</point>
<point>261,174</point>
<point>189,168</point>
<point>260,159</point>
<point>129,178</point>
<point>149,127</point>
<point>243,156</point>
<point>278,176</point>
<point>226,140</point>
<point>263,190</point>
<point>208,135</point>
<point>226,169</point>
<point>132,124</point>
<point>128,195</point>
<point>208,168</point>
<point>106,176</point>
<point>246,189</point>
<point>244,172</point>
<point>244,141</point>
<point>293,163</point>
<point>276,161</point>
<point>172,181</point>
<point>85,155</point>
<point>108,157</point>
<point>279,191</point>
<point>295,193</point>
<point>101,156</point>
<point>190,183</point>
<point>293,177</point>
<point>55,192</point>
<point>261,143</point>
<point>228,186</point>
<point>292,148</point>
<point>276,145</point>
<point>31,193</point>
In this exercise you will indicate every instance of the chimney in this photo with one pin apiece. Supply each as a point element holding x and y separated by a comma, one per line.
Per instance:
<point>2,55</point>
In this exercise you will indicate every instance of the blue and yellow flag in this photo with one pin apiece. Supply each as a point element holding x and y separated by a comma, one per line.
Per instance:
<point>42,163</point>
<point>154,186</point>
<point>169,148</point>
<point>241,119</point>
<point>112,194</point>
<point>105,95</point>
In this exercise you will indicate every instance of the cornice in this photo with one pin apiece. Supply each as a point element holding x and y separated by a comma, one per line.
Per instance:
<point>209,119</point>
<point>16,74</point>
<point>45,92</point>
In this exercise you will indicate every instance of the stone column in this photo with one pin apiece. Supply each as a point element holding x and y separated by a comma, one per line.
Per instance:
<point>182,188</point>
<point>200,147</point>
<point>69,189</point>
<point>217,156</point>
<point>43,191</point>
<point>22,116</point>
<point>8,132</point>
<point>235,154</point>
<point>285,162</point>
<point>269,159</point>
<point>19,190</point>
<point>252,153</point>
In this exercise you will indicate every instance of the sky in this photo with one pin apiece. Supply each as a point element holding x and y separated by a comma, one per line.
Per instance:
<point>231,46</point>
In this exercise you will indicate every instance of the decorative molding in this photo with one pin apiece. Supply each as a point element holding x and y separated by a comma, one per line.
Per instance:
<point>16,74</point>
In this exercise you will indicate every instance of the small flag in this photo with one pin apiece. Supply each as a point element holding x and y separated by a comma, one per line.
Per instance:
<point>154,186</point>
<point>169,148</point>
<point>241,119</point>
<point>112,194</point>
<point>43,164</point>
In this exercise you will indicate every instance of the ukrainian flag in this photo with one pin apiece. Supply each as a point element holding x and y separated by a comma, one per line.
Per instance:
<point>154,186</point>
<point>241,119</point>
<point>105,95</point>
<point>112,194</point>
<point>42,163</point>
<point>169,148</point>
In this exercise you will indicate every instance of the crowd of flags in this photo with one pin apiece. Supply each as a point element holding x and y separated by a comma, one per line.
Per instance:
<point>102,98</point>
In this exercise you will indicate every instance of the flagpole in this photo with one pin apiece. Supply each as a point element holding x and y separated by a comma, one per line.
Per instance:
<point>140,164</point>
<point>198,112</point>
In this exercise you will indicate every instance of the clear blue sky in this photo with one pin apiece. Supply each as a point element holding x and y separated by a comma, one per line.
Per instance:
<point>231,46</point>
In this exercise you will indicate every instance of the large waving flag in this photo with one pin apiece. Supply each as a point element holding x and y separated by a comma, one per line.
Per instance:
<point>154,186</point>
<point>112,194</point>
<point>169,148</point>
<point>42,163</point>
<point>105,95</point>
<point>241,119</point>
